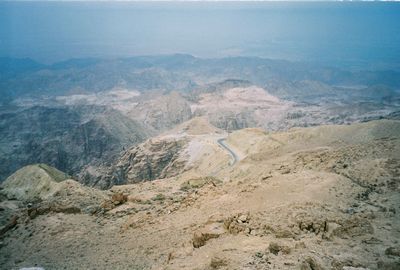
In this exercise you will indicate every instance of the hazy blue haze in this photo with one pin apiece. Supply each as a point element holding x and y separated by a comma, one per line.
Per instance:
<point>361,34</point>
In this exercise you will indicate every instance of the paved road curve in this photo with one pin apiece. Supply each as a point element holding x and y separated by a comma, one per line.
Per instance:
<point>235,158</point>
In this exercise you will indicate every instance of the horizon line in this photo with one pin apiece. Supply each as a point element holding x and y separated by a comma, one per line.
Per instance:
<point>226,1</point>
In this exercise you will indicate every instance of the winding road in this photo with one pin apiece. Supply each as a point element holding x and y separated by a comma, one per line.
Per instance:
<point>233,155</point>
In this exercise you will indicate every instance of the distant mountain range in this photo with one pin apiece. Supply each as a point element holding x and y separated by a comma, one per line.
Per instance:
<point>81,115</point>
<point>25,77</point>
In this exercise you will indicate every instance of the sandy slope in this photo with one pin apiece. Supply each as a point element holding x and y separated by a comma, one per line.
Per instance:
<point>310,198</point>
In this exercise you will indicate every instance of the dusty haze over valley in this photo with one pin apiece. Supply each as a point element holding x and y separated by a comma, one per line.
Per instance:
<point>199,135</point>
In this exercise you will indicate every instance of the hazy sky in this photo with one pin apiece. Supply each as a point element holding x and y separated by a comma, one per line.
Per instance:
<point>53,31</point>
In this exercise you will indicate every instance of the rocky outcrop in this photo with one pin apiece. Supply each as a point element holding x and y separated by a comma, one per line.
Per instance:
<point>154,159</point>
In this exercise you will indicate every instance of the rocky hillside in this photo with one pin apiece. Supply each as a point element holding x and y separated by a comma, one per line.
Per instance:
<point>33,182</point>
<point>67,138</point>
<point>161,112</point>
<point>309,198</point>
<point>241,107</point>
<point>95,127</point>
<point>164,156</point>
<point>41,189</point>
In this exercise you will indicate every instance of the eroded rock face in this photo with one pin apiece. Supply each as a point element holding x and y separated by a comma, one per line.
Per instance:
<point>67,138</point>
<point>153,159</point>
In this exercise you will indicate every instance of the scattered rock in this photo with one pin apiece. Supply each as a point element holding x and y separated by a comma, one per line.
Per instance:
<point>275,248</point>
<point>372,241</point>
<point>353,268</point>
<point>314,226</point>
<point>119,198</point>
<point>213,230</point>
<point>242,219</point>
<point>354,226</point>
<point>159,197</point>
<point>300,245</point>
<point>200,182</point>
<point>389,265</point>
<point>393,251</point>
<point>91,210</point>
<point>310,264</point>
<point>330,229</point>
<point>237,223</point>
<point>107,205</point>
<point>116,199</point>
<point>47,207</point>
<point>266,176</point>
<point>349,262</point>
<point>283,233</point>
<point>217,263</point>
<point>11,224</point>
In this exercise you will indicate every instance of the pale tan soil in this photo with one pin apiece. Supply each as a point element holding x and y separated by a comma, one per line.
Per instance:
<point>242,107</point>
<point>314,198</point>
<point>117,98</point>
